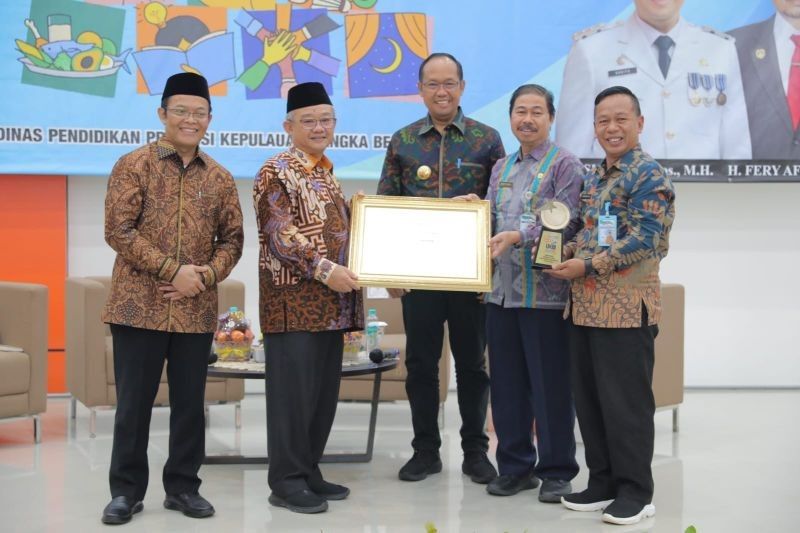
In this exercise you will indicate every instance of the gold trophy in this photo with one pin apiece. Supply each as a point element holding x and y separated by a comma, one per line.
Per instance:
<point>555,217</point>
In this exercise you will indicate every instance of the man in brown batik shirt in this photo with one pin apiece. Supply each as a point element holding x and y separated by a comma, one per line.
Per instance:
<point>173,217</point>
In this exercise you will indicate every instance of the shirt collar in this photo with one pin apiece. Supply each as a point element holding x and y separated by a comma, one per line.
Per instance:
<point>621,163</point>
<point>165,149</point>
<point>783,30</point>
<point>458,122</point>
<point>537,153</point>
<point>651,34</point>
<point>310,161</point>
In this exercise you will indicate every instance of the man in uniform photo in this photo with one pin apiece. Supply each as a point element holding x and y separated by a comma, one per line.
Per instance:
<point>687,78</point>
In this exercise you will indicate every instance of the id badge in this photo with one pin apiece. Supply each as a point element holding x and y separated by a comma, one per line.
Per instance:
<point>526,220</point>
<point>606,230</point>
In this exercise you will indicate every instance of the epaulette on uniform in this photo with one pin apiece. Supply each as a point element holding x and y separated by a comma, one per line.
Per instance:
<point>721,34</point>
<point>597,28</point>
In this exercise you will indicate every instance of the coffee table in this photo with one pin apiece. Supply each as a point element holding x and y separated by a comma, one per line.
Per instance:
<point>252,370</point>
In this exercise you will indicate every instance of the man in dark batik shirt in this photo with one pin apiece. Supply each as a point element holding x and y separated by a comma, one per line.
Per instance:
<point>443,155</point>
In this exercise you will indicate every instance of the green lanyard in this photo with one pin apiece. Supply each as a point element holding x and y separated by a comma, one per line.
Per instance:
<point>541,169</point>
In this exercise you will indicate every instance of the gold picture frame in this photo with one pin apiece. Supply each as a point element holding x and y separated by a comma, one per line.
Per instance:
<point>421,243</point>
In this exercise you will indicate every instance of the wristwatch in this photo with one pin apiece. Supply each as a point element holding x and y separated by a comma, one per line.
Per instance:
<point>587,264</point>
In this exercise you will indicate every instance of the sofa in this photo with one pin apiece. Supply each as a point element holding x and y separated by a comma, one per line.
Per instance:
<point>23,352</point>
<point>668,371</point>
<point>90,358</point>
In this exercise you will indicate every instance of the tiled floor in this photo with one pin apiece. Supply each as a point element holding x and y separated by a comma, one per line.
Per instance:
<point>733,467</point>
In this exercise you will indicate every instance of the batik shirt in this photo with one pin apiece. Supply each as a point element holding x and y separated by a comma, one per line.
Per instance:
<point>466,154</point>
<point>161,215</point>
<point>303,234</point>
<point>641,196</point>
<point>513,190</point>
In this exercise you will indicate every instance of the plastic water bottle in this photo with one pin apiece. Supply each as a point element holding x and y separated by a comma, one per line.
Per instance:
<point>372,331</point>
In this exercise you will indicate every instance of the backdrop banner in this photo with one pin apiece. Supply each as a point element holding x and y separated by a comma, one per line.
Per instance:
<point>82,80</point>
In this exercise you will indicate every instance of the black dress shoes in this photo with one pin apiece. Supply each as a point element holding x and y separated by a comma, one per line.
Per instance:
<point>120,510</point>
<point>329,491</point>
<point>303,501</point>
<point>192,505</point>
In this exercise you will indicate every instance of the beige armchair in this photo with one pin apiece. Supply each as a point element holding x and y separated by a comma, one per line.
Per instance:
<point>90,358</point>
<point>668,370</point>
<point>393,383</point>
<point>23,352</point>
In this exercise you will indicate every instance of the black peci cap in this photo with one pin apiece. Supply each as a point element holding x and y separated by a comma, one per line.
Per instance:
<point>187,83</point>
<point>306,95</point>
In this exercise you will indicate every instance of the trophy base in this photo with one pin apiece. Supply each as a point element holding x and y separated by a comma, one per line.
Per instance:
<point>550,250</point>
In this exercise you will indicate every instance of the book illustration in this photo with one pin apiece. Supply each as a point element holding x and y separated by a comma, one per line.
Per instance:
<point>182,41</point>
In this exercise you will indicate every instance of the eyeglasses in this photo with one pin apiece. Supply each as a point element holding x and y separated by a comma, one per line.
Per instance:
<point>311,123</point>
<point>180,112</point>
<point>433,86</point>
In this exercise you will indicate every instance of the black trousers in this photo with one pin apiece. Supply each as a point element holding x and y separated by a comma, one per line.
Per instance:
<point>302,379</point>
<point>424,315</point>
<point>530,380</point>
<point>139,356</point>
<point>612,377</point>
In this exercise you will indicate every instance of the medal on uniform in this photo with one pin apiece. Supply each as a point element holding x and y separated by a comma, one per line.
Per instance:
<point>720,80</point>
<point>760,53</point>
<point>555,217</point>
<point>424,172</point>
<point>694,84</point>
<point>706,82</point>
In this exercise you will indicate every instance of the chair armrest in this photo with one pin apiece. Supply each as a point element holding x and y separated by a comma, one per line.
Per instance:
<point>23,323</point>
<point>86,341</point>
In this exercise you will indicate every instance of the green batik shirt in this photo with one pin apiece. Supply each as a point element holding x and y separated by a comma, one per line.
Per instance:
<point>465,154</point>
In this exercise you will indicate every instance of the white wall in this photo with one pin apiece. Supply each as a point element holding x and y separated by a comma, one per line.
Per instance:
<point>736,248</point>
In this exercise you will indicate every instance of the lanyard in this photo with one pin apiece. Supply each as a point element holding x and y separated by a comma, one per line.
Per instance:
<point>540,171</point>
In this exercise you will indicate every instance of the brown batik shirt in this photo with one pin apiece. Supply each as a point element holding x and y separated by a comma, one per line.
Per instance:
<point>161,215</point>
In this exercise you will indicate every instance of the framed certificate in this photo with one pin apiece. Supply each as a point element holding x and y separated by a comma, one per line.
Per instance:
<point>421,243</point>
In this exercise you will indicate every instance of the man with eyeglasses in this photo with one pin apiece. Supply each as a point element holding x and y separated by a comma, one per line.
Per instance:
<point>443,155</point>
<point>173,217</point>
<point>308,299</point>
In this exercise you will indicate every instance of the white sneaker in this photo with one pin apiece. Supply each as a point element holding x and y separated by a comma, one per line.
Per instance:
<point>620,517</point>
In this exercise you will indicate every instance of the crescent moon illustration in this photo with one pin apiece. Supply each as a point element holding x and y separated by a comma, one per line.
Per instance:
<point>398,58</point>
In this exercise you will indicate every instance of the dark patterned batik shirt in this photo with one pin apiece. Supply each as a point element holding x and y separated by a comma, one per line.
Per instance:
<point>303,234</point>
<point>465,154</point>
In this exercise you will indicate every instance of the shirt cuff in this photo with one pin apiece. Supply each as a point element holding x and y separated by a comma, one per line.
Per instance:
<point>169,269</point>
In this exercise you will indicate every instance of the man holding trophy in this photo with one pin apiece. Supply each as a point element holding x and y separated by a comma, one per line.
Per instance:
<point>626,213</point>
<point>534,195</point>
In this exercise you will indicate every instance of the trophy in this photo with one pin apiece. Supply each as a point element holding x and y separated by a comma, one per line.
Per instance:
<point>555,217</point>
